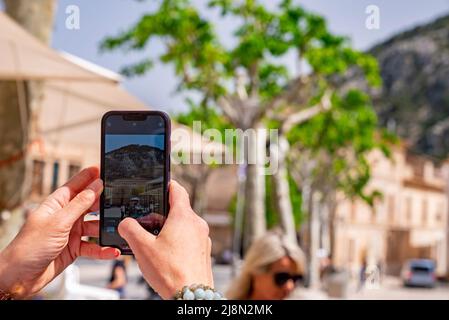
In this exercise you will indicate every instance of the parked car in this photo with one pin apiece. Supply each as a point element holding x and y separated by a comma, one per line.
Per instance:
<point>419,273</point>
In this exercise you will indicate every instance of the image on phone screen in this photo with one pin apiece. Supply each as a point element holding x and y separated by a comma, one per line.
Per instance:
<point>134,166</point>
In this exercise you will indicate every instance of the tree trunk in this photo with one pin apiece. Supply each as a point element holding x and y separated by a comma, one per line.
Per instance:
<point>332,225</point>
<point>255,220</point>
<point>19,103</point>
<point>282,189</point>
<point>325,242</point>
<point>199,196</point>
<point>238,221</point>
<point>34,16</point>
<point>13,141</point>
<point>314,231</point>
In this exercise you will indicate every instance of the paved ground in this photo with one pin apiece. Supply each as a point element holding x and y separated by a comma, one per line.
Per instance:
<point>96,273</point>
<point>392,289</point>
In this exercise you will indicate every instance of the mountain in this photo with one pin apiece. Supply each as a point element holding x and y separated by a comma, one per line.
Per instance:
<point>414,99</point>
<point>134,162</point>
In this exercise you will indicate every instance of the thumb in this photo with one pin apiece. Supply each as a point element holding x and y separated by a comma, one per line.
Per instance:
<point>136,236</point>
<point>79,205</point>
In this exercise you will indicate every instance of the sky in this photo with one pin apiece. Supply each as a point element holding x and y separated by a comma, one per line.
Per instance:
<point>100,18</point>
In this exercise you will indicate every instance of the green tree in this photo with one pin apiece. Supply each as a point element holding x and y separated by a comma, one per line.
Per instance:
<point>329,156</point>
<point>246,82</point>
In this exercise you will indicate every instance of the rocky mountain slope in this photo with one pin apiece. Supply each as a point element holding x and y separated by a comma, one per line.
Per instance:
<point>414,100</point>
<point>134,162</point>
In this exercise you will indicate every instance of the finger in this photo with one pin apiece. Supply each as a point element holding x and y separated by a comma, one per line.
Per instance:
<point>82,202</point>
<point>91,228</point>
<point>96,206</point>
<point>136,236</point>
<point>62,196</point>
<point>178,196</point>
<point>94,251</point>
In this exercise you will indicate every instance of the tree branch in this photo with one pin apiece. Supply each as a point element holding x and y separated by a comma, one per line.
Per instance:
<point>292,94</point>
<point>228,109</point>
<point>254,80</point>
<point>306,114</point>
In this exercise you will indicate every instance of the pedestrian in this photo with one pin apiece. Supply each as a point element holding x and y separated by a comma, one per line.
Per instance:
<point>362,275</point>
<point>272,268</point>
<point>119,278</point>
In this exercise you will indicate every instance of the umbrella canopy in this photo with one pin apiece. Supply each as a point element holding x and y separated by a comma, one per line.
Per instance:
<point>71,111</point>
<point>24,57</point>
<point>76,92</point>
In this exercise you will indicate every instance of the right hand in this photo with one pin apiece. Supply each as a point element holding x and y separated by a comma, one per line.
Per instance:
<point>180,255</point>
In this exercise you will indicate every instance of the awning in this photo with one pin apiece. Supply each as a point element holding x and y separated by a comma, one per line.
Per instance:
<point>425,238</point>
<point>72,111</point>
<point>76,92</point>
<point>25,57</point>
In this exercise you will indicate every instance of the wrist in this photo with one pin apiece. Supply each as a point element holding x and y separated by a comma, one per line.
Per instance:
<point>187,281</point>
<point>198,292</point>
<point>9,284</point>
<point>5,288</point>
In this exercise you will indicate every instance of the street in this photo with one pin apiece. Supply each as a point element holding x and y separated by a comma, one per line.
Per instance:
<point>96,273</point>
<point>392,289</point>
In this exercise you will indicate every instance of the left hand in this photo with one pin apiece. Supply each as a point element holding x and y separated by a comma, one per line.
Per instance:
<point>50,239</point>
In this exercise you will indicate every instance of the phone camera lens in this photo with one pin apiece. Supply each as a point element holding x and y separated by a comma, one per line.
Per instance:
<point>109,124</point>
<point>160,124</point>
<point>134,124</point>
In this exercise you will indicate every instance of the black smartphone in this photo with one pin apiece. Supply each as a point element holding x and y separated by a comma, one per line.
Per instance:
<point>135,169</point>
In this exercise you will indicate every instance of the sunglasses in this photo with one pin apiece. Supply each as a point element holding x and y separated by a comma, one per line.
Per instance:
<point>281,278</point>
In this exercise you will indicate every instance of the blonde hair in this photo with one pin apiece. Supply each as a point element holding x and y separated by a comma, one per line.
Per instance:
<point>268,249</point>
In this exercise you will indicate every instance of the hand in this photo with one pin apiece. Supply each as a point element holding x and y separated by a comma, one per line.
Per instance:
<point>180,254</point>
<point>50,239</point>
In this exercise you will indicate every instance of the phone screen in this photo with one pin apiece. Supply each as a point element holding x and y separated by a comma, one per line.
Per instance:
<point>134,173</point>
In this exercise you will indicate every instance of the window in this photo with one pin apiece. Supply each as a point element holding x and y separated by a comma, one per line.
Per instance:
<point>54,180</point>
<point>391,209</point>
<point>351,250</point>
<point>37,178</point>
<point>408,210</point>
<point>439,216</point>
<point>353,211</point>
<point>73,169</point>
<point>425,213</point>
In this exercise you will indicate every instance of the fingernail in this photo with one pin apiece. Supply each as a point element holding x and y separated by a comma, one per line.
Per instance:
<point>116,253</point>
<point>96,186</point>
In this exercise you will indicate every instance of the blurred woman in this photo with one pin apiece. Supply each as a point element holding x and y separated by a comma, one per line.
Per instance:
<point>272,268</point>
<point>118,278</point>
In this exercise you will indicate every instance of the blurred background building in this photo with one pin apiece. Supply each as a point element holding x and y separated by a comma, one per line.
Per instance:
<point>410,221</point>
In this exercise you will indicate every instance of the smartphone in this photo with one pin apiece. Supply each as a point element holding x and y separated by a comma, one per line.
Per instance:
<point>135,169</point>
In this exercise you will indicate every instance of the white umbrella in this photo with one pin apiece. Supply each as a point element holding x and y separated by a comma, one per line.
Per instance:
<point>76,92</point>
<point>24,57</point>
